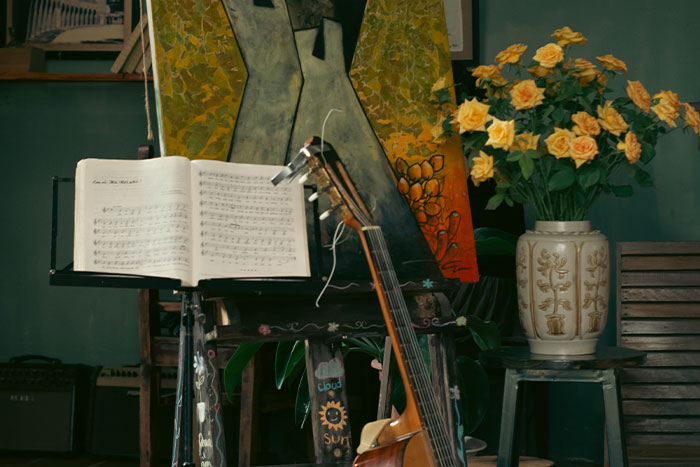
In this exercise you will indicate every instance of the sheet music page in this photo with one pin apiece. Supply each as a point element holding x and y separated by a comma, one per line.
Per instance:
<point>243,225</point>
<point>134,217</point>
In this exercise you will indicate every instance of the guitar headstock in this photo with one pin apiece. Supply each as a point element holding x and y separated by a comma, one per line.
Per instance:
<point>323,162</point>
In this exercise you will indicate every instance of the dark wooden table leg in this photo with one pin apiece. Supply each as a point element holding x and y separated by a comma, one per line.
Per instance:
<point>329,403</point>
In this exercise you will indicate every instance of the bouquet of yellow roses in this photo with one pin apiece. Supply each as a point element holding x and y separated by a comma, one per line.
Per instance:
<point>550,137</point>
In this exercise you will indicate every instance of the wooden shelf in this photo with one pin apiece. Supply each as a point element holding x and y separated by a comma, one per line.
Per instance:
<point>75,77</point>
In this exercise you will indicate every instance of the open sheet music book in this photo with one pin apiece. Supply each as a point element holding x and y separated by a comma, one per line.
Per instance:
<point>188,220</point>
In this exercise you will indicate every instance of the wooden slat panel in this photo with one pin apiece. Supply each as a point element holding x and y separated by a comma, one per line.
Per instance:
<point>660,263</point>
<point>661,391</point>
<point>660,279</point>
<point>662,424</point>
<point>660,326</point>
<point>672,359</point>
<point>660,375</point>
<point>661,407</point>
<point>657,248</point>
<point>661,343</point>
<point>662,439</point>
<point>661,295</point>
<point>661,310</point>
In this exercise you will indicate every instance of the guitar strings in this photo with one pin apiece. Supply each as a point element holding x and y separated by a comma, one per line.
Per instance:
<point>441,444</point>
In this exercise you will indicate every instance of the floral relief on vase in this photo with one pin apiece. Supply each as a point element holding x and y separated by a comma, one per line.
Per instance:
<point>552,269</point>
<point>596,288</point>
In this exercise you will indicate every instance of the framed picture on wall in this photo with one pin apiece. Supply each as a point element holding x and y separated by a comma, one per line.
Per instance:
<point>462,17</point>
<point>70,25</point>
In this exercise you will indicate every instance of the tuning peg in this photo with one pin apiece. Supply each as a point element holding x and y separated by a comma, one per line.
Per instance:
<point>313,197</point>
<point>324,215</point>
<point>304,178</point>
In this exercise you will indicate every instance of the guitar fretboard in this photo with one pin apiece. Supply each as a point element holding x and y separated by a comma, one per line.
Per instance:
<point>409,349</point>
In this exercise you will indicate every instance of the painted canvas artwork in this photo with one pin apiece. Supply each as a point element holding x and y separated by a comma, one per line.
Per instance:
<point>250,81</point>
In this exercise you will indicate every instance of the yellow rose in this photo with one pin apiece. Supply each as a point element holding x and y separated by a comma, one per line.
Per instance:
<point>587,71</point>
<point>549,55</point>
<point>482,169</point>
<point>585,124</point>
<point>692,117</point>
<point>437,132</point>
<point>526,95</point>
<point>566,36</point>
<point>525,141</point>
<point>491,73</point>
<point>559,142</point>
<point>612,63</point>
<point>511,54</point>
<point>611,120</point>
<point>602,79</point>
<point>501,133</point>
<point>639,95</point>
<point>632,148</point>
<point>539,71</point>
<point>583,149</point>
<point>667,107</point>
<point>472,116</point>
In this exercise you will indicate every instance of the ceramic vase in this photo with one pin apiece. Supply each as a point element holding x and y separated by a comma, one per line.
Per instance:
<point>563,286</point>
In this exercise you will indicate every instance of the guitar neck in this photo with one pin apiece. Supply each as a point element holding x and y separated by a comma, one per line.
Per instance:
<point>419,391</point>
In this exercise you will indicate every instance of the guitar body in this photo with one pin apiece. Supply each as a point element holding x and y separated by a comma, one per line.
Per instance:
<point>409,451</point>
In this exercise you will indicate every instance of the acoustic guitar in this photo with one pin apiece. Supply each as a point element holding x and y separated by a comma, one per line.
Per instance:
<point>419,437</point>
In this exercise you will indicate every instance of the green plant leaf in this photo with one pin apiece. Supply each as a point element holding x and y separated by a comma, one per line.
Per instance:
<point>370,346</point>
<point>473,383</point>
<point>642,177</point>
<point>485,333</point>
<point>533,154</point>
<point>587,176</point>
<point>527,167</point>
<point>236,365</point>
<point>302,404</point>
<point>514,156</point>
<point>561,179</point>
<point>288,357</point>
<point>622,191</point>
<point>493,241</point>
<point>648,153</point>
<point>495,201</point>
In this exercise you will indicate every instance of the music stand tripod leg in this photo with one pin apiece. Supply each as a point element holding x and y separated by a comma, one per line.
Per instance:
<point>182,438</point>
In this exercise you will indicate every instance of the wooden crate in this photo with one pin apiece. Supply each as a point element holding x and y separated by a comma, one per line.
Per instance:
<point>658,312</point>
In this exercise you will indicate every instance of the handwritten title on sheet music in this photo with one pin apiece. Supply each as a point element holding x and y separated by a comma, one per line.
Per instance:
<point>121,181</point>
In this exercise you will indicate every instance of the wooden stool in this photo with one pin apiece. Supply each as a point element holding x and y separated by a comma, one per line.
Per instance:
<point>601,367</point>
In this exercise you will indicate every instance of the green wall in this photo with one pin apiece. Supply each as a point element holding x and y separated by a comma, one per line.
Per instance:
<point>659,42</point>
<point>45,128</point>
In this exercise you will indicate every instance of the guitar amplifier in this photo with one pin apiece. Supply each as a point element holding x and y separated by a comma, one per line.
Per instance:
<point>114,421</point>
<point>43,406</point>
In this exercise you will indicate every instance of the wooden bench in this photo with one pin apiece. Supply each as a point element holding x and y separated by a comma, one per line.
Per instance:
<point>658,312</point>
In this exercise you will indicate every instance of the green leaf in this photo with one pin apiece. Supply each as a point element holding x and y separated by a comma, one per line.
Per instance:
<point>514,156</point>
<point>493,241</point>
<point>485,333</point>
<point>622,191</point>
<point>533,154</point>
<point>473,383</point>
<point>527,167</point>
<point>587,176</point>
<point>288,356</point>
<point>648,153</point>
<point>236,365</point>
<point>495,201</point>
<point>642,177</point>
<point>561,179</point>
<point>302,405</point>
